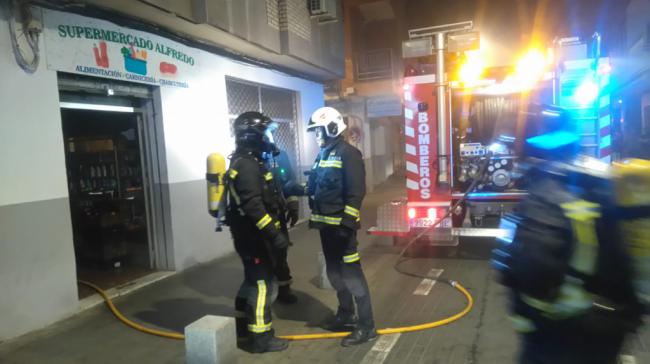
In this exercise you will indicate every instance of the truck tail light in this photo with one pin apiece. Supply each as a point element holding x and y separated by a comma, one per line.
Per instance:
<point>411,213</point>
<point>432,213</point>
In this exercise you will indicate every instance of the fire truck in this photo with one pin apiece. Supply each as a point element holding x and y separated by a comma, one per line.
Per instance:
<point>460,129</point>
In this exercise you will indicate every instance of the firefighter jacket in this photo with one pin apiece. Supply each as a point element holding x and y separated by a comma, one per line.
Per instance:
<point>337,186</point>
<point>254,204</point>
<point>564,258</point>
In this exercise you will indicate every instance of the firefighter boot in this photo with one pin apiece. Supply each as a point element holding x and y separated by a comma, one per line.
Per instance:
<point>267,343</point>
<point>286,296</point>
<point>340,323</point>
<point>359,336</point>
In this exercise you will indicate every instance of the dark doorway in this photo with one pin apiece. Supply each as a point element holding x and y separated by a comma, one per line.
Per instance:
<point>107,196</point>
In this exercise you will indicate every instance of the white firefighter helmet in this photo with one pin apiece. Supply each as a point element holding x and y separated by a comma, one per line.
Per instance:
<point>330,119</point>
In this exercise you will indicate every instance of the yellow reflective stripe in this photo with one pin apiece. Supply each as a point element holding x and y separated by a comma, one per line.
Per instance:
<point>330,164</point>
<point>522,324</point>
<point>351,211</point>
<point>268,176</point>
<point>277,225</point>
<point>573,300</point>
<point>259,329</point>
<point>351,258</point>
<point>233,173</point>
<point>326,219</point>
<point>264,221</point>
<point>261,301</point>
<point>583,214</point>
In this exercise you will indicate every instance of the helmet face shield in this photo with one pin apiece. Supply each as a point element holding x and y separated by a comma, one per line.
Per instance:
<point>268,138</point>
<point>269,132</point>
<point>321,136</point>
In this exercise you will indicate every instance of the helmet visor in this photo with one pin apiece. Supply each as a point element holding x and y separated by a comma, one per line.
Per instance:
<point>269,133</point>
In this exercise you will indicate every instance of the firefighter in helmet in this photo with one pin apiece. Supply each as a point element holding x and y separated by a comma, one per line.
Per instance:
<point>336,188</point>
<point>254,206</point>
<point>573,299</point>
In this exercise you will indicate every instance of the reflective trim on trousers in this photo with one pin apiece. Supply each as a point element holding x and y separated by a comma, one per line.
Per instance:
<point>351,258</point>
<point>259,325</point>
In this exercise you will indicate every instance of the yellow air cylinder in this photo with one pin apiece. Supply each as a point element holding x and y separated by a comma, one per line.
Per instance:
<point>216,168</point>
<point>632,178</point>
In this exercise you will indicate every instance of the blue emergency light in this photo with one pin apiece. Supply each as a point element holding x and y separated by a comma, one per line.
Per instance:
<point>587,92</point>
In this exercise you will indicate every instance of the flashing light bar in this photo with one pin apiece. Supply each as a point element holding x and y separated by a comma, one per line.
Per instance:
<point>587,92</point>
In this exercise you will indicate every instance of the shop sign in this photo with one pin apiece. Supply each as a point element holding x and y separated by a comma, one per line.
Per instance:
<point>384,106</point>
<point>424,141</point>
<point>83,45</point>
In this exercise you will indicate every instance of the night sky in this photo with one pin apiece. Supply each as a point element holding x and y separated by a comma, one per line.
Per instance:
<point>509,25</point>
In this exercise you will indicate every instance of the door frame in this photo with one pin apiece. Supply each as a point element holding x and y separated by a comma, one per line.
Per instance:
<point>91,93</point>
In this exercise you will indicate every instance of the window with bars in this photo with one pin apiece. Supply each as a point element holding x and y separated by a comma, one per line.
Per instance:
<point>278,104</point>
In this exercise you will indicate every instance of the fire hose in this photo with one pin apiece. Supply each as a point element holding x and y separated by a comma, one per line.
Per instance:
<point>330,335</point>
<point>334,335</point>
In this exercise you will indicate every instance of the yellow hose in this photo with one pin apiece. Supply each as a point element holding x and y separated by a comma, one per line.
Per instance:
<point>430,325</point>
<point>332,335</point>
<point>118,314</point>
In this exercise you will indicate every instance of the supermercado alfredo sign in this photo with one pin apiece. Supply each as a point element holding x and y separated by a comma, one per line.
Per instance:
<point>83,45</point>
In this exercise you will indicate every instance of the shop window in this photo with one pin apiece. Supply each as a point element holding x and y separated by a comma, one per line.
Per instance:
<point>278,104</point>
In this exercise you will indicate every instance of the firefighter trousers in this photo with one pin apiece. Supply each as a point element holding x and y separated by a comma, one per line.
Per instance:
<point>282,271</point>
<point>344,271</point>
<point>256,294</point>
<point>569,344</point>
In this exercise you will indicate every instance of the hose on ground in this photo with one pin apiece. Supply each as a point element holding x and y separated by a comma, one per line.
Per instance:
<point>124,319</point>
<point>333,335</point>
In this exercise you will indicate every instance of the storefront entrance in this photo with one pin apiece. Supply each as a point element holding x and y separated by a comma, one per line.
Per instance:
<point>110,191</point>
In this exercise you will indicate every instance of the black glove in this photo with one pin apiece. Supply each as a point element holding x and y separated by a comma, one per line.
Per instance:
<point>293,213</point>
<point>280,242</point>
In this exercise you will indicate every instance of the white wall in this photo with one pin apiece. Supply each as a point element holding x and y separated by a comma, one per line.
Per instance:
<point>37,265</point>
<point>196,124</point>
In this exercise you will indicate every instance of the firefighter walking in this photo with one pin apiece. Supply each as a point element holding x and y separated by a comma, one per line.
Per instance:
<point>336,188</point>
<point>254,207</point>
<point>566,264</point>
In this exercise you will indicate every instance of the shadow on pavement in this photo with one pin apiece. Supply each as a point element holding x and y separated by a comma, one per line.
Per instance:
<point>214,280</point>
<point>175,314</point>
<point>308,309</point>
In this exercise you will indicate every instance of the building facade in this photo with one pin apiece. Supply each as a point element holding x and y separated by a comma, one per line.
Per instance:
<point>105,141</point>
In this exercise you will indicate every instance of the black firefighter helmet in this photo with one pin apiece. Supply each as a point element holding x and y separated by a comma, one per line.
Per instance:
<point>254,130</point>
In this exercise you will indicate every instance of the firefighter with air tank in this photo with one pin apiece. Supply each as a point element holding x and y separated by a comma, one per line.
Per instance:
<point>567,260</point>
<point>253,209</point>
